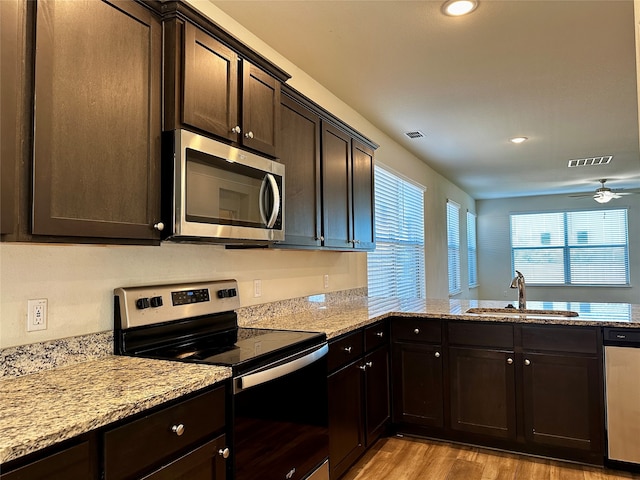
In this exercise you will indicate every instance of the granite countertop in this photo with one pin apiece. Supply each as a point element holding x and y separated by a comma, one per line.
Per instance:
<point>44,408</point>
<point>335,319</point>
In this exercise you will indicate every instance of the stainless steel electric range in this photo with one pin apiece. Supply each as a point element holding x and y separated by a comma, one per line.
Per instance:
<point>278,396</point>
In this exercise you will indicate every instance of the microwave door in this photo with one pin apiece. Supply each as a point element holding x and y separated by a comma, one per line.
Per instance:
<point>269,195</point>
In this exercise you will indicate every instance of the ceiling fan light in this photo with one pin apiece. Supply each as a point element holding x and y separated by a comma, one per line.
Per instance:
<point>456,8</point>
<point>602,198</point>
<point>517,140</point>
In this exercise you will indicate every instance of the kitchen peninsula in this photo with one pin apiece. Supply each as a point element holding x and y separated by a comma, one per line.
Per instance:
<point>78,386</point>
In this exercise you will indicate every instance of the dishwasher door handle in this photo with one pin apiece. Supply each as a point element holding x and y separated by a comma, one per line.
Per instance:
<point>280,370</point>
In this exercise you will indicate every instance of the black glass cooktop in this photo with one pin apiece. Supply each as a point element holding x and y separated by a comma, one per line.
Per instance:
<point>253,348</point>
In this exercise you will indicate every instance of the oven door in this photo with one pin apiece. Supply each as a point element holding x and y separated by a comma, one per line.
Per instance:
<point>280,418</point>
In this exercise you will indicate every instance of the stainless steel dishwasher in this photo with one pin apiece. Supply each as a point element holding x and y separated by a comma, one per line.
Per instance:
<point>622,384</point>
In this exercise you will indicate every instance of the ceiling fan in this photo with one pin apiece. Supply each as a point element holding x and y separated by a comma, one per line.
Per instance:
<point>604,194</point>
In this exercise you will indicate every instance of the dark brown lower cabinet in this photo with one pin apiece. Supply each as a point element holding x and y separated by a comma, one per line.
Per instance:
<point>73,463</point>
<point>483,394</point>
<point>346,422</point>
<point>417,384</point>
<point>377,402</point>
<point>531,388</point>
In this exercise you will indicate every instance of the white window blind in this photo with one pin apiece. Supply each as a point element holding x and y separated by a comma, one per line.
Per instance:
<point>396,267</point>
<point>453,244</point>
<point>571,248</point>
<point>472,251</point>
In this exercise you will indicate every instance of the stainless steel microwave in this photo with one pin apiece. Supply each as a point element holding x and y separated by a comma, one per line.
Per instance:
<point>220,193</point>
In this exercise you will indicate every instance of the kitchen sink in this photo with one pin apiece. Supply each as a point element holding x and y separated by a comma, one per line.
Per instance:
<point>507,312</point>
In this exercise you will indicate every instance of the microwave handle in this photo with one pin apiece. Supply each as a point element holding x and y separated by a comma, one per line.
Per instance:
<point>276,200</point>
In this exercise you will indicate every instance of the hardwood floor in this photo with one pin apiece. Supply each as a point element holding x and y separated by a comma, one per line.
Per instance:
<point>417,459</point>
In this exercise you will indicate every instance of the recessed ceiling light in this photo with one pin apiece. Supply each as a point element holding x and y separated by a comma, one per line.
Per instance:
<point>455,8</point>
<point>518,139</point>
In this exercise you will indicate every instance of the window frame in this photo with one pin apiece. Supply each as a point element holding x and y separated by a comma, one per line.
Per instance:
<point>566,248</point>
<point>472,250</point>
<point>395,245</point>
<point>453,270</point>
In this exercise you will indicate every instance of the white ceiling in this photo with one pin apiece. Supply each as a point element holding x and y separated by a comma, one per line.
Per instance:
<point>559,72</point>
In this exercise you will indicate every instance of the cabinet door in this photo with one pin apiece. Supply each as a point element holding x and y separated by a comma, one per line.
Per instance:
<point>363,197</point>
<point>417,385</point>
<point>11,52</point>
<point>336,180</point>
<point>377,412</point>
<point>97,120</point>
<point>483,392</point>
<point>563,401</point>
<point>210,85</point>
<point>260,110</point>
<point>74,463</point>
<point>299,151</point>
<point>204,463</point>
<point>346,428</point>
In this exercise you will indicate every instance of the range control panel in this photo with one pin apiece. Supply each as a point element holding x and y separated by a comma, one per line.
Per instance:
<point>139,306</point>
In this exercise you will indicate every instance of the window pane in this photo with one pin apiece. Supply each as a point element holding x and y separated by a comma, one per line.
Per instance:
<point>540,265</point>
<point>472,252</point>
<point>396,267</point>
<point>537,230</point>
<point>598,266</point>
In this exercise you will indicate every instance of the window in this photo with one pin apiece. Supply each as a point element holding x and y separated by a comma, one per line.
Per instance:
<point>571,248</point>
<point>396,267</point>
<point>472,252</point>
<point>453,246</point>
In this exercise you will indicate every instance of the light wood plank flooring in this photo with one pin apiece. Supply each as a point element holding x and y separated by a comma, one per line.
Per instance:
<point>417,459</point>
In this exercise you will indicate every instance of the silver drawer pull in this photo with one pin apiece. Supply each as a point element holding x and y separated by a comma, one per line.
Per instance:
<point>416,331</point>
<point>380,334</point>
<point>224,452</point>
<point>369,364</point>
<point>178,429</point>
<point>527,362</point>
<point>510,361</point>
<point>437,354</point>
<point>347,349</point>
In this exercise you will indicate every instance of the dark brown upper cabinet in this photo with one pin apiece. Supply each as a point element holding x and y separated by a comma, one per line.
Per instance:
<point>96,150</point>
<point>220,93</point>
<point>362,193</point>
<point>299,151</point>
<point>12,18</point>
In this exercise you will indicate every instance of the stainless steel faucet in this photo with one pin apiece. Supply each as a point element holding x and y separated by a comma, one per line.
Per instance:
<point>518,282</point>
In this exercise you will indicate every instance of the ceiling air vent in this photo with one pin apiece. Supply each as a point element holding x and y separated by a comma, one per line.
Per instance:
<point>589,162</point>
<point>415,134</point>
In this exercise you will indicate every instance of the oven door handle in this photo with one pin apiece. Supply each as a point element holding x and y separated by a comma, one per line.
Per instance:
<point>263,376</point>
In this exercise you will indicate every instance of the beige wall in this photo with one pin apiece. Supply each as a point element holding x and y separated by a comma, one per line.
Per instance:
<point>78,280</point>
<point>494,250</point>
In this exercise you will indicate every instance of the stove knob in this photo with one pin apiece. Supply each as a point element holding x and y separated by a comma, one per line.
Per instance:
<point>233,292</point>
<point>223,293</point>
<point>142,303</point>
<point>156,302</point>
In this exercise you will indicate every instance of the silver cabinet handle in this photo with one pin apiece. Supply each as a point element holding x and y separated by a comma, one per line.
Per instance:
<point>347,349</point>
<point>363,367</point>
<point>369,364</point>
<point>224,452</point>
<point>437,354</point>
<point>236,129</point>
<point>510,361</point>
<point>416,331</point>
<point>527,362</point>
<point>248,135</point>
<point>178,429</point>
<point>380,334</point>
<point>159,226</point>
<point>321,238</point>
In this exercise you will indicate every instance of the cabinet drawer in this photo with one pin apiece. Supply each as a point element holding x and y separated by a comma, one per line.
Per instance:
<point>376,335</point>
<point>73,463</point>
<point>345,349</point>
<point>416,330</point>
<point>141,444</point>
<point>561,339</point>
<point>482,334</point>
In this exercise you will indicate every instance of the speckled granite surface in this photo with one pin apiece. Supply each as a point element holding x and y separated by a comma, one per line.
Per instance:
<point>79,398</point>
<point>35,357</point>
<point>338,318</point>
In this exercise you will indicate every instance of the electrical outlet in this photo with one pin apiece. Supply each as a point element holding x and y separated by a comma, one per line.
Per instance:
<point>257,288</point>
<point>36,314</point>
<point>326,281</point>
